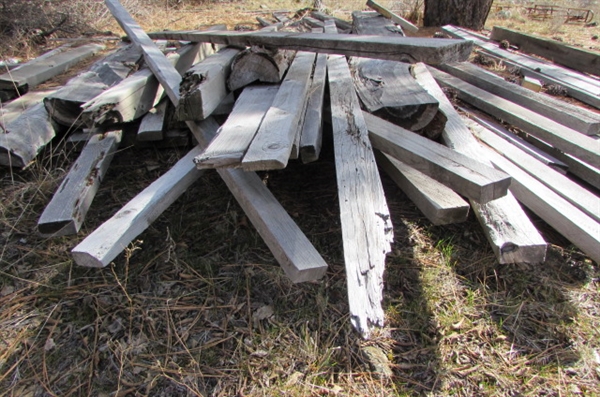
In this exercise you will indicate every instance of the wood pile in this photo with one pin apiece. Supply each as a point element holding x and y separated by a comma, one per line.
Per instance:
<point>379,93</point>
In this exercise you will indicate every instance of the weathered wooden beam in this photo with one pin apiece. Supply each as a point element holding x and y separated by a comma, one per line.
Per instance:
<point>342,26</point>
<point>572,57</point>
<point>25,136</point>
<point>233,138</point>
<point>266,65</point>
<point>204,85</point>
<point>571,191</point>
<point>511,234</point>
<point>375,24</point>
<point>35,72</point>
<point>466,176</point>
<point>273,141</point>
<point>153,123</point>
<point>11,110</point>
<point>312,22</point>
<point>440,204</point>
<point>406,25</point>
<point>561,137</point>
<point>432,51</point>
<point>67,209</point>
<point>575,117</point>
<point>311,136</point>
<point>367,231</point>
<point>564,217</point>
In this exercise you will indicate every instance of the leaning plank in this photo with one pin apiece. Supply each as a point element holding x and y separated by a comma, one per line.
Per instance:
<point>266,65</point>
<point>273,141</point>
<point>571,191</point>
<point>343,26</point>
<point>467,177</point>
<point>153,123</point>
<point>561,137</point>
<point>585,83</point>
<point>564,217</point>
<point>292,249</point>
<point>66,211</point>
<point>36,72</point>
<point>312,129</point>
<point>406,25</point>
<point>235,135</point>
<point>572,57</point>
<point>511,234</point>
<point>440,204</point>
<point>575,117</point>
<point>204,86</point>
<point>13,109</point>
<point>432,51</point>
<point>25,136</point>
<point>65,104</point>
<point>367,231</point>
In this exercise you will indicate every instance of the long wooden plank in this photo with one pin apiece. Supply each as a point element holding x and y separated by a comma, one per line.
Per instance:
<point>33,73</point>
<point>406,25</point>
<point>149,204</point>
<point>67,209</point>
<point>236,134</point>
<point>564,217</point>
<point>273,141</point>
<point>561,137</point>
<point>575,117</point>
<point>373,23</point>
<point>571,191</point>
<point>367,231</point>
<point>204,86</point>
<point>466,176</point>
<point>572,57</point>
<point>558,72</point>
<point>511,234</point>
<point>9,111</point>
<point>440,204</point>
<point>311,136</point>
<point>342,26</point>
<point>432,51</point>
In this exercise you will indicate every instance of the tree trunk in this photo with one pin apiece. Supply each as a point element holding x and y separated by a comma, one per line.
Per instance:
<point>469,14</point>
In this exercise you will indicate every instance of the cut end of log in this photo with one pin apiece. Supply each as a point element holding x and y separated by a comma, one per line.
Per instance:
<point>85,259</point>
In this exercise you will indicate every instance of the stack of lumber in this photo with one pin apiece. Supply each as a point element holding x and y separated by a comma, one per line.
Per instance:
<point>275,92</point>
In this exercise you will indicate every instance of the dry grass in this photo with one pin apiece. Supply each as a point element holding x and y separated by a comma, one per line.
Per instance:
<point>197,306</point>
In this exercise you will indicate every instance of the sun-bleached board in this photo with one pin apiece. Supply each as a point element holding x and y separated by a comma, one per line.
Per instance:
<point>579,228</point>
<point>432,51</point>
<point>311,136</point>
<point>35,72</point>
<point>440,204</point>
<point>511,234</point>
<point>235,135</point>
<point>464,175</point>
<point>367,231</point>
<point>153,123</point>
<point>575,117</point>
<point>25,136</point>
<point>67,209</point>
<point>406,25</point>
<point>559,136</point>
<point>275,137</point>
<point>13,109</point>
<point>204,85</point>
<point>571,191</point>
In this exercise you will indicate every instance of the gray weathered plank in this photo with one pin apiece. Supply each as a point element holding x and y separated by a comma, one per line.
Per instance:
<point>233,138</point>
<point>67,209</point>
<point>511,234</point>
<point>312,129</point>
<point>466,176</point>
<point>367,231</point>
<point>204,85</point>
<point>406,25</point>
<point>342,26</point>
<point>432,51</point>
<point>273,141</point>
<point>561,137</point>
<point>373,23</point>
<point>440,204</point>
<point>153,123</point>
<point>575,117</point>
<point>13,109</point>
<point>572,57</point>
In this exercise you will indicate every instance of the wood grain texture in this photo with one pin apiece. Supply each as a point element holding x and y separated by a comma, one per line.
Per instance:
<point>572,57</point>
<point>373,23</point>
<point>233,138</point>
<point>311,136</point>
<point>367,231</point>
<point>406,25</point>
<point>432,51</point>
<point>266,65</point>
<point>9,111</point>
<point>273,141</point>
<point>464,175</point>
<point>572,116</point>
<point>511,234</point>
<point>440,204</point>
<point>67,209</point>
<point>561,137</point>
